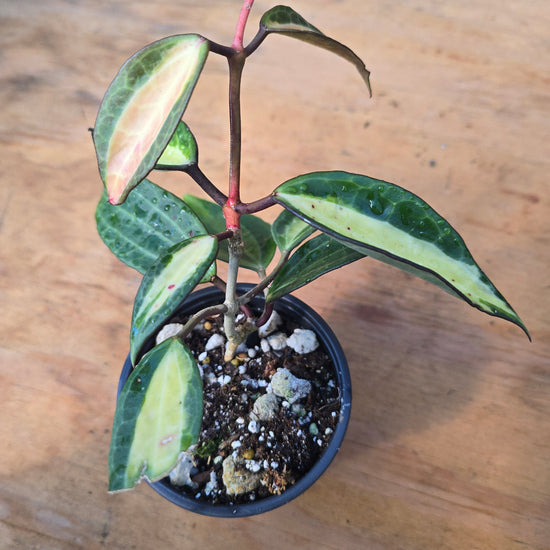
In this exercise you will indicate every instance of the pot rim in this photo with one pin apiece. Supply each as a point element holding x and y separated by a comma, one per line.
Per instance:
<point>310,319</point>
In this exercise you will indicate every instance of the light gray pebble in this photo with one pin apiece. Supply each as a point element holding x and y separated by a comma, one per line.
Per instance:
<point>236,478</point>
<point>289,387</point>
<point>265,407</point>
<point>302,341</point>
<point>313,429</point>
<point>181,474</point>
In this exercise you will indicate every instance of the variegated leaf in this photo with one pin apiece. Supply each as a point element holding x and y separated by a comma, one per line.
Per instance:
<point>158,415</point>
<point>142,108</point>
<point>166,284</point>
<point>150,221</point>
<point>289,230</point>
<point>395,226</point>
<point>313,259</point>
<point>181,150</point>
<point>284,20</point>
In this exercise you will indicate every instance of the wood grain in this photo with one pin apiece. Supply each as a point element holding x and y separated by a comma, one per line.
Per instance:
<point>448,443</point>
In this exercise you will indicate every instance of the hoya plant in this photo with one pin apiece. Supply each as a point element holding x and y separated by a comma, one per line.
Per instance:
<point>328,219</point>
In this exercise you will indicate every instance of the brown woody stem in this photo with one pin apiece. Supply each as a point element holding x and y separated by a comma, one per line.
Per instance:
<point>205,184</point>
<point>255,206</point>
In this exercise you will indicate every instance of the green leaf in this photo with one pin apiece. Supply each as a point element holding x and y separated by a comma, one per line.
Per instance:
<point>259,244</point>
<point>166,284</point>
<point>284,20</point>
<point>142,109</point>
<point>313,259</point>
<point>158,415</point>
<point>289,231</point>
<point>395,226</point>
<point>181,150</point>
<point>150,221</point>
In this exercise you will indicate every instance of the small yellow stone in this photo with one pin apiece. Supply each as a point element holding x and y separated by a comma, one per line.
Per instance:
<point>206,360</point>
<point>207,325</point>
<point>248,454</point>
<point>235,362</point>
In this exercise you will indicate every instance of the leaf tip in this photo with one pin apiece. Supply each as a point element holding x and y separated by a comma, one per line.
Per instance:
<point>115,197</point>
<point>367,82</point>
<point>520,324</point>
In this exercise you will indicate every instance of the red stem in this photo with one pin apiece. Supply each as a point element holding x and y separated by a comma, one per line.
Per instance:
<point>232,217</point>
<point>239,31</point>
<point>236,64</point>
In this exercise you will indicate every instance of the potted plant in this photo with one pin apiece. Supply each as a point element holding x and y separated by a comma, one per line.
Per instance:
<point>187,349</point>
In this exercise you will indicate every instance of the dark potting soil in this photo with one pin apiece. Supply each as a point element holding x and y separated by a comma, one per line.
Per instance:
<point>279,450</point>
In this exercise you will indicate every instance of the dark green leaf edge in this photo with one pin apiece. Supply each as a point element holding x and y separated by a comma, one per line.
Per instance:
<point>103,125</point>
<point>284,20</point>
<point>132,398</point>
<point>411,267</point>
<point>335,254</point>
<point>279,231</point>
<point>140,335</point>
<point>182,136</point>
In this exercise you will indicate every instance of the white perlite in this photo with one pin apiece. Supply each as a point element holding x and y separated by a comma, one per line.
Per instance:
<point>212,485</point>
<point>273,323</point>
<point>302,341</point>
<point>286,385</point>
<point>277,341</point>
<point>264,344</point>
<point>181,474</point>
<point>223,379</point>
<point>253,427</point>
<point>167,331</point>
<point>215,341</point>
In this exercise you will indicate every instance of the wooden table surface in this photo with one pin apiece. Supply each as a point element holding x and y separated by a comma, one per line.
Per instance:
<point>448,445</point>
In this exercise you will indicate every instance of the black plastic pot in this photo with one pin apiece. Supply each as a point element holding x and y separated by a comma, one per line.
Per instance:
<point>295,309</point>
